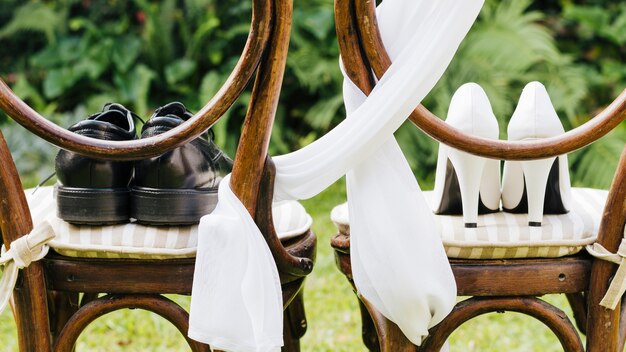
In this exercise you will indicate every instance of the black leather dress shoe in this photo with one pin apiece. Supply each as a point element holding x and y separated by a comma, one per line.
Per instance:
<point>91,191</point>
<point>180,186</point>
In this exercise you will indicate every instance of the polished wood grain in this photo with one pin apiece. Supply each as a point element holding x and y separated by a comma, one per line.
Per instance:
<point>510,277</point>
<point>30,298</point>
<point>486,279</point>
<point>157,304</point>
<point>352,56</point>
<point>521,277</point>
<point>172,276</point>
<point>255,46</point>
<point>552,317</point>
<point>61,307</point>
<point>287,263</point>
<point>578,303</point>
<point>603,323</point>
<point>368,328</point>
<point>255,135</point>
<point>389,335</point>
<point>595,128</point>
<point>622,328</point>
<point>294,323</point>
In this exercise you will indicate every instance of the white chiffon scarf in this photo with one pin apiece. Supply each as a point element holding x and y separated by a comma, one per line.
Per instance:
<point>398,261</point>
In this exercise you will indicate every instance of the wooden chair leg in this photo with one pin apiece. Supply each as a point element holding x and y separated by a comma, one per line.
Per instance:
<point>88,297</point>
<point>368,330</point>
<point>578,303</point>
<point>31,316</point>
<point>29,297</point>
<point>390,337</point>
<point>294,324</point>
<point>157,304</point>
<point>622,326</point>
<point>602,323</point>
<point>61,307</point>
<point>379,334</point>
<point>549,315</point>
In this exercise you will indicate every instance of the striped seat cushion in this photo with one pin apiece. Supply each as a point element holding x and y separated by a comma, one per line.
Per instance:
<point>142,242</point>
<point>505,235</point>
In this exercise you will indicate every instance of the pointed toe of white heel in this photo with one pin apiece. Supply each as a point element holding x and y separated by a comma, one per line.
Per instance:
<point>535,187</point>
<point>464,183</point>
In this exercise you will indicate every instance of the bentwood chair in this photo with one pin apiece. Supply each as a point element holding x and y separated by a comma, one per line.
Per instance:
<point>497,285</point>
<point>49,312</point>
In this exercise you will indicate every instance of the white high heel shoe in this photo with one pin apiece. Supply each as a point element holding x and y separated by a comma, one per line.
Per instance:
<point>464,183</point>
<point>536,187</point>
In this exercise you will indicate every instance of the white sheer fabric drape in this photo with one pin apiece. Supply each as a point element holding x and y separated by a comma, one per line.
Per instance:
<point>398,261</point>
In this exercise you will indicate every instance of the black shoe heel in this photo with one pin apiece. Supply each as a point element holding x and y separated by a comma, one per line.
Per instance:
<point>93,206</point>
<point>171,206</point>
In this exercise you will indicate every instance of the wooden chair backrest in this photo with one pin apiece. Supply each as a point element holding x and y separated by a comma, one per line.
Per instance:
<point>363,52</point>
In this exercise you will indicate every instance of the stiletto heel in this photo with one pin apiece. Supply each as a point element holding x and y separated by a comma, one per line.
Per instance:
<point>464,183</point>
<point>469,170</point>
<point>536,177</point>
<point>536,187</point>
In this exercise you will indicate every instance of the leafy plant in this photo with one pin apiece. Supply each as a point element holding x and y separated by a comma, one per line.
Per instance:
<point>145,53</point>
<point>593,32</point>
<point>36,17</point>
<point>596,31</point>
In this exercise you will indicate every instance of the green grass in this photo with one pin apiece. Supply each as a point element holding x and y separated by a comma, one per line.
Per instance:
<point>332,311</point>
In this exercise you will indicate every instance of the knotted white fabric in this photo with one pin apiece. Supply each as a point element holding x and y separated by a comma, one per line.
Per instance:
<point>618,285</point>
<point>398,261</point>
<point>24,250</point>
<point>236,302</point>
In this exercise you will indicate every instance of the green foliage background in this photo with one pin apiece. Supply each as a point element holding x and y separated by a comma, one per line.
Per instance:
<point>67,58</point>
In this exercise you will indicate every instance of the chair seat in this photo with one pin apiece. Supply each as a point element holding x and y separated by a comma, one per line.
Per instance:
<point>136,241</point>
<point>505,235</point>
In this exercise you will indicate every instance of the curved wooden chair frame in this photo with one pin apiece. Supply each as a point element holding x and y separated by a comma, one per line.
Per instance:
<point>46,299</point>
<point>498,285</point>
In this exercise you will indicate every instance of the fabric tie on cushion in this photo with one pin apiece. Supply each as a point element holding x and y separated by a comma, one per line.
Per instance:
<point>402,270</point>
<point>24,250</point>
<point>618,284</point>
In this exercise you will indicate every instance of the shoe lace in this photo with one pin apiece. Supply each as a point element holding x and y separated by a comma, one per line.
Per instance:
<point>48,178</point>
<point>135,116</point>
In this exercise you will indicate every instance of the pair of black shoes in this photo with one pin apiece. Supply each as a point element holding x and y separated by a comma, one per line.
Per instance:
<point>176,188</point>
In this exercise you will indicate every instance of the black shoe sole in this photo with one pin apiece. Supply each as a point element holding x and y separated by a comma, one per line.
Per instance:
<point>93,206</point>
<point>163,207</point>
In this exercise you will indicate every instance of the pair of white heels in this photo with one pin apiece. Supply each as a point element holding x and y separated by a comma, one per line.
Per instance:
<point>467,184</point>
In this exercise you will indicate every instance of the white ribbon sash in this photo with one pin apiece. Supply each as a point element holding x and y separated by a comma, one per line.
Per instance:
<point>24,250</point>
<point>398,261</point>
<point>617,288</point>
